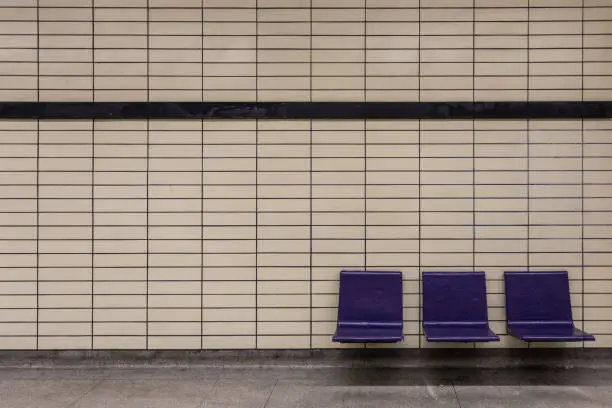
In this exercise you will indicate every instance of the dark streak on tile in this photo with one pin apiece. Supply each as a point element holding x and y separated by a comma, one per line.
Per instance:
<point>306,110</point>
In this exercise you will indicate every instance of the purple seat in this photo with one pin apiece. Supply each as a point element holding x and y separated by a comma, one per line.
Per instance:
<point>455,307</point>
<point>370,307</point>
<point>538,307</point>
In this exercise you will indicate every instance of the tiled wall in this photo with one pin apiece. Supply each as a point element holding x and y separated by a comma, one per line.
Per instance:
<point>231,234</point>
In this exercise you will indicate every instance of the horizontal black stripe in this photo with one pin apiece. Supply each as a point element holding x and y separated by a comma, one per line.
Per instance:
<point>306,110</point>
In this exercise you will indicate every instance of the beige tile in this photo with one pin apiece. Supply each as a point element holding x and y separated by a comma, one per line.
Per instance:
<point>57,14</point>
<point>564,163</point>
<point>273,28</point>
<point>228,342</point>
<point>294,328</point>
<point>72,28</point>
<point>294,15</point>
<point>157,273</point>
<point>500,84</point>
<point>293,246</point>
<point>446,246</point>
<point>284,342</point>
<point>119,315</point>
<point>276,273</point>
<point>556,204</point>
<point>239,233</point>
<point>12,246</point>
<point>553,27</point>
<point>554,260</point>
<point>555,82</point>
<point>597,217</point>
<point>556,14</point>
<point>391,232</point>
<point>18,342</point>
<point>16,27</point>
<point>462,232</point>
<point>222,315</point>
<point>271,260</point>
<point>216,288</point>
<point>508,245</point>
<point>218,301</point>
<point>555,191</point>
<point>119,329</point>
<point>285,3</point>
<point>228,328</point>
<point>175,342</point>
<point>64,329</point>
<point>64,342</point>
<point>10,302</point>
<point>65,301</point>
<point>119,343</point>
<point>174,328</point>
<point>555,177</point>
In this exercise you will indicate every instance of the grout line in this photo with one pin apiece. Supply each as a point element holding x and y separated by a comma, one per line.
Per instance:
<point>582,171</point>
<point>528,140</point>
<point>329,8</point>
<point>420,192</point>
<point>474,224</point>
<point>365,137</point>
<point>528,153</point>
<point>474,139</point>
<point>310,179</point>
<point>202,207</point>
<point>365,141</point>
<point>256,177</point>
<point>93,173</point>
<point>148,165</point>
<point>38,178</point>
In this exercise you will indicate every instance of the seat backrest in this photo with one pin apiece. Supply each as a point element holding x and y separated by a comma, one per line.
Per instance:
<point>454,297</point>
<point>370,298</point>
<point>538,297</point>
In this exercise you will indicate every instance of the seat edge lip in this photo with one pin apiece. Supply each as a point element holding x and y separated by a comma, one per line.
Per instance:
<point>463,324</point>
<point>491,336</point>
<point>436,339</point>
<point>550,272</point>
<point>452,273</point>
<point>366,272</point>
<point>555,339</point>
<point>340,339</point>
<point>582,336</point>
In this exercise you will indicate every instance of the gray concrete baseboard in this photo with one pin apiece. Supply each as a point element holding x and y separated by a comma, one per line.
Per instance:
<point>564,358</point>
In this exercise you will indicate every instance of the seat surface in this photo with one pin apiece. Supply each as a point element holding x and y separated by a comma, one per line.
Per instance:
<point>349,334</point>
<point>566,333</point>
<point>370,307</point>
<point>459,334</point>
<point>538,307</point>
<point>455,307</point>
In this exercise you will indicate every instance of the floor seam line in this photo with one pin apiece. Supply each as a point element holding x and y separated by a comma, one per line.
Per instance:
<point>456,395</point>
<point>270,394</point>
<point>206,395</point>
<point>86,393</point>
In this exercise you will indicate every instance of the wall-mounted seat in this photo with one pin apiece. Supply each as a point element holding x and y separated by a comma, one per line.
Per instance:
<point>370,307</point>
<point>538,307</point>
<point>455,307</point>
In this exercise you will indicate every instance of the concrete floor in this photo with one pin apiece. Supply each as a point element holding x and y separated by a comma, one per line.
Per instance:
<point>156,387</point>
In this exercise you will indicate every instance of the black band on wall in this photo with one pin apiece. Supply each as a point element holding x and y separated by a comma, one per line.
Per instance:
<point>306,110</point>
